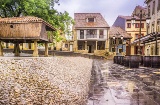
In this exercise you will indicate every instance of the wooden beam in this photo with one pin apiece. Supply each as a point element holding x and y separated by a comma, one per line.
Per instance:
<point>35,52</point>
<point>1,49</point>
<point>46,49</point>
<point>16,49</point>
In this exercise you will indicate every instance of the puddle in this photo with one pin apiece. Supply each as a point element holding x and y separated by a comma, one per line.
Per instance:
<point>123,86</point>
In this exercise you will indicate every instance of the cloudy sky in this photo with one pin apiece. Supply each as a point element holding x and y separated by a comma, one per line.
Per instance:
<point>109,9</point>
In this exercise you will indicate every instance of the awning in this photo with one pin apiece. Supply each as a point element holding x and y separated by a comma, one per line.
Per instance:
<point>148,38</point>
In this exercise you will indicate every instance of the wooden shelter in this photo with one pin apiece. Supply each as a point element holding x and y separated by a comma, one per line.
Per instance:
<point>27,29</point>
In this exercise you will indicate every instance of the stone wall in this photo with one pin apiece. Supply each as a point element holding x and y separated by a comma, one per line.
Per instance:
<point>44,80</point>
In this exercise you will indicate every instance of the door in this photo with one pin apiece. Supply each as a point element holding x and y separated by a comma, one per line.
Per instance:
<point>29,44</point>
<point>71,47</point>
<point>89,49</point>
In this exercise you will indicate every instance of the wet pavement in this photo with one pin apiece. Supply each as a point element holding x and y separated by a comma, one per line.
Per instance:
<point>113,84</point>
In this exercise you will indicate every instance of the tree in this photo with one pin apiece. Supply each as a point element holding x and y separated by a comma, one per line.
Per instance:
<point>40,8</point>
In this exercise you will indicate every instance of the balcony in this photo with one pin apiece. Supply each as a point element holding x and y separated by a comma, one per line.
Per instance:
<point>92,37</point>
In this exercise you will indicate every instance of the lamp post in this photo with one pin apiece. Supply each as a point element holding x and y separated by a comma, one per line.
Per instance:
<point>133,19</point>
<point>114,43</point>
<point>122,43</point>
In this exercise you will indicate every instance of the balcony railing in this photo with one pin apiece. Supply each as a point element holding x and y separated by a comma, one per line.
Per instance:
<point>84,37</point>
<point>101,36</point>
<point>91,36</point>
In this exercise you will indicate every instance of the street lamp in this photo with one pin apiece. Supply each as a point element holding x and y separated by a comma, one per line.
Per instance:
<point>133,19</point>
<point>114,43</point>
<point>122,43</point>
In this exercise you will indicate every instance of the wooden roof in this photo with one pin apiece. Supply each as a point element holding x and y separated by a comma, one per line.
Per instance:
<point>26,19</point>
<point>118,32</point>
<point>80,20</point>
<point>25,29</point>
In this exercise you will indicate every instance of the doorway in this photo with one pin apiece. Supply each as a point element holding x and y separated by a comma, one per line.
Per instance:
<point>29,44</point>
<point>71,47</point>
<point>89,49</point>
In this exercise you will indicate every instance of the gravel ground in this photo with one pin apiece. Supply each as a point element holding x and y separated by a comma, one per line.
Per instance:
<point>44,80</point>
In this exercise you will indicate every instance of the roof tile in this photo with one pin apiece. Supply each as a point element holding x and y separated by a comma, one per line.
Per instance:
<point>118,32</point>
<point>80,20</point>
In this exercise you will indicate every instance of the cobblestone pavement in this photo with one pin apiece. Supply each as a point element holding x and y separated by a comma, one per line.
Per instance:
<point>44,80</point>
<point>113,84</point>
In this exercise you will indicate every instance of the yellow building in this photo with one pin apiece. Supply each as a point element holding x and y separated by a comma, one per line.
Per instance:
<point>133,29</point>
<point>152,42</point>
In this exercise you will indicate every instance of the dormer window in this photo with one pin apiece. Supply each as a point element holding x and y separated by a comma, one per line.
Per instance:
<point>90,19</point>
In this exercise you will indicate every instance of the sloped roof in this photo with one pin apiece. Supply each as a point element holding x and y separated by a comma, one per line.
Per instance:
<point>80,20</point>
<point>25,19</point>
<point>118,32</point>
<point>130,17</point>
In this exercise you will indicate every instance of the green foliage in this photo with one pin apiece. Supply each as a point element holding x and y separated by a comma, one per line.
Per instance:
<point>40,8</point>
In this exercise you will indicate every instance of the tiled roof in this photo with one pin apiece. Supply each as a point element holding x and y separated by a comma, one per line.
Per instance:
<point>25,19</point>
<point>130,17</point>
<point>80,20</point>
<point>118,32</point>
<point>20,19</point>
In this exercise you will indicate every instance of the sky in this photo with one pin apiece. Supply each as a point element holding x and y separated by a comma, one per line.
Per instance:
<point>110,9</point>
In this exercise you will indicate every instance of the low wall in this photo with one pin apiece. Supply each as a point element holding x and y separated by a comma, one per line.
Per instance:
<point>44,80</point>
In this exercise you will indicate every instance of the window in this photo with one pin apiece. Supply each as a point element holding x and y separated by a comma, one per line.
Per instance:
<point>66,45</point>
<point>91,32</point>
<point>81,34</point>
<point>98,47</point>
<point>142,25</point>
<point>153,9</point>
<point>120,41</point>
<point>136,36</point>
<point>137,25</point>
<point>152,29</point>
<point>90,19</point>
<point>158,7</point>
<point>128,25</point>
<point>120,50</point>
<point>101,33</point>
<point>113,49</point>
<point>113,41</point>
<point>149,11</point>
<point>158,26</point>
<point>80,47</point>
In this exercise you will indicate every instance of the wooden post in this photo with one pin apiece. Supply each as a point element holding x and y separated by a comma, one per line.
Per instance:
<point>68,47</point>
<point>16,49</point>
<point>85,45</point>
<point>1,49</point>
<point>96,45</point>
<point>46,49</point>
<point>35,52</point>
